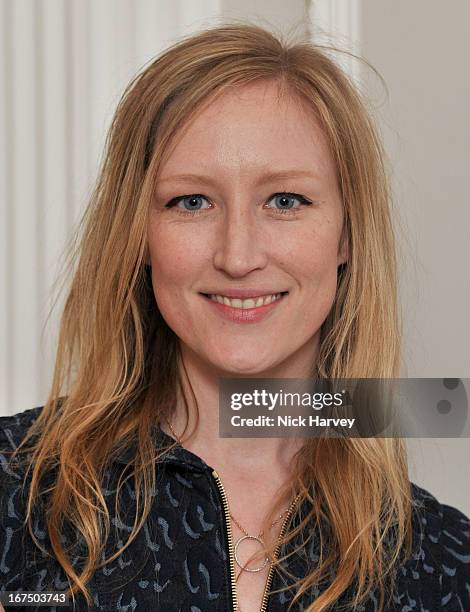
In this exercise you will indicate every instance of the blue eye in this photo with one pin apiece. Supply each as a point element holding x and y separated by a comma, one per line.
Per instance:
<point>286,201</point>
<point>190,202</point>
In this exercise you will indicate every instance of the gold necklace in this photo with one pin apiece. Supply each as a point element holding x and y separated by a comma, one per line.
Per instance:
<point>246,537</point>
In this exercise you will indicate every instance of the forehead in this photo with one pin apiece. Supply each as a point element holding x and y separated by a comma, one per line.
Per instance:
<point>248,128</point>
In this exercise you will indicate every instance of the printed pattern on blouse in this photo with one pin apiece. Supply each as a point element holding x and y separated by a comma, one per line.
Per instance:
<point>179,560</point>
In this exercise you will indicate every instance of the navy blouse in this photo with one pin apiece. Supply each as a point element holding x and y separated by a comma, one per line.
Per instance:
<point>181,561</point>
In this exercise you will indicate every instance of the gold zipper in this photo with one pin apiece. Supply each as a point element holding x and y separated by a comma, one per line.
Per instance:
<point>223,494</point>
<point>230,539</point>
<point>264,601</point>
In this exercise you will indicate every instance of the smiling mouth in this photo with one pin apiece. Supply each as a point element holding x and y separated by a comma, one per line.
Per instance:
<point>246,303</point>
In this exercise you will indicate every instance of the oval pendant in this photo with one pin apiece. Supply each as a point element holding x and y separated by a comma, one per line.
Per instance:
<point>244,568</point>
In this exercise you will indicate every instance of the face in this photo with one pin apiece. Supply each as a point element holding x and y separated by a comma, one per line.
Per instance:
<point>247,204</point>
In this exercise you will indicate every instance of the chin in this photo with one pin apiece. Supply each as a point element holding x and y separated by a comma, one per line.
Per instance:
<point>244,365</point>
<point>244,371</point>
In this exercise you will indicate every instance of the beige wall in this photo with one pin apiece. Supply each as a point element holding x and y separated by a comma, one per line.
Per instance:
<point>421,48</point>
<point>422,51</point>
<point>281,15</point>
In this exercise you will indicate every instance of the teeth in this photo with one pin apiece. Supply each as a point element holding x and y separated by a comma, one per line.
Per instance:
<point>262,300</point>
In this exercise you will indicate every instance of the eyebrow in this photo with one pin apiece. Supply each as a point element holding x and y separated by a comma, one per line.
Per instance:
<point>265,178</point>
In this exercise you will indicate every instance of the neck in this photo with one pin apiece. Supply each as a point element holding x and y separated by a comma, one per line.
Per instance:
<point>262,457</point>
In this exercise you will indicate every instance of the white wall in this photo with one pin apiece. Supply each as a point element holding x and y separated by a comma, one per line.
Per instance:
<point>64,66</point>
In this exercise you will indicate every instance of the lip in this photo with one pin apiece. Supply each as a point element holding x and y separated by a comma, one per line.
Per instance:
<point>243,293</point>
<point>245,315</point>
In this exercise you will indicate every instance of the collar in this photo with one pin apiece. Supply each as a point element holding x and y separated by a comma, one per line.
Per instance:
<point>178,455</point>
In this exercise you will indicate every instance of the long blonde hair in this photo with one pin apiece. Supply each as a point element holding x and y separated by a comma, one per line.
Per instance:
<point>116,355</point>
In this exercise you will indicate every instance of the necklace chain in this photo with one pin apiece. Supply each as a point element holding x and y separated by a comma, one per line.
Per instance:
<point>261,532</point>
<point>246,535</point>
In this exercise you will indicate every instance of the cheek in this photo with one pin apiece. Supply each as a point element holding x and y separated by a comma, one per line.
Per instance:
<point>313,262</point>
<point>168,259</point>
<point>313,253</point>
<point>177,259</point>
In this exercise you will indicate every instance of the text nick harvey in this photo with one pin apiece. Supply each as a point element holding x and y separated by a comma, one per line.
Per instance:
<point>290,421</point>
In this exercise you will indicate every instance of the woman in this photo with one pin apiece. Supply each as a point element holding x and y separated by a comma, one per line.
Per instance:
<point>236,167</point>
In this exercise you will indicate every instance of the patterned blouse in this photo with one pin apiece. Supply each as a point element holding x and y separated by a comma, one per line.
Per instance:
<point>181,560</point>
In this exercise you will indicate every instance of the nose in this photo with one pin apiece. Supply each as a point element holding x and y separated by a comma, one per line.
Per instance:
<point>240,247</point>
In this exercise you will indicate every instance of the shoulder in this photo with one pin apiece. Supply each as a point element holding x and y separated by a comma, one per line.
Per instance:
<point>13,428</point>
<point>14,472</point>
<point>13,497</point>
<point>441,523</point>
<point>442,534</point>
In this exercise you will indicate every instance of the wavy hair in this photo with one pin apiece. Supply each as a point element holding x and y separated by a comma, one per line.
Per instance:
<point>116,354</point>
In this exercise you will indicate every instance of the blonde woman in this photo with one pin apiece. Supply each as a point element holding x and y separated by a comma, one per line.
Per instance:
<point>240,227</point>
